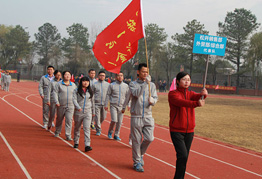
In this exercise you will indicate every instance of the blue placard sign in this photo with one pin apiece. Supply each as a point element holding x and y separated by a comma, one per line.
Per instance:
<point>208,44</point>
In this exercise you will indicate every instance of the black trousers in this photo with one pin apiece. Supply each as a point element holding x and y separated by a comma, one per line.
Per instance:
<point>182,143</point>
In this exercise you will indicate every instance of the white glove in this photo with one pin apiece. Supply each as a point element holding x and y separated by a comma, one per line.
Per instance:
<point>151,100</point>
<point>148,79</point>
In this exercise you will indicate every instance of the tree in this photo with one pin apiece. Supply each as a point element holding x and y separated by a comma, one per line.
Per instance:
<point>4,30</point>
<point>186,41</point>
<point>237,27</point>
<point>168,61</point>
<point>46,39</point>
<point>15,46</point>
<point>255,53</point>
<point>76,47</point>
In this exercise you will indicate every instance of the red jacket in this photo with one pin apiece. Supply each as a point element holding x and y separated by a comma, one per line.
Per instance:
<point>182,113</point>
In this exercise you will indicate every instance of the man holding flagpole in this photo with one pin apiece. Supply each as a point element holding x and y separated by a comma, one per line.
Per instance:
<point>113,47</point>
<point>142,122</point>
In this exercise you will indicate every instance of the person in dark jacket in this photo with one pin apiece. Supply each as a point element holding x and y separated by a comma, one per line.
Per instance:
<point>182,103</point>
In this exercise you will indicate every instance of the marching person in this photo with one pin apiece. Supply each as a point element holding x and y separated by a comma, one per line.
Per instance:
<point>100,90</point>
<point>92,75</point>
<point>63,95</point>
<point>117,92</point>
<point>84,110</point>
<point>2,80</point>
<point>51,99</point>
<point>182,103</point>
<point>43,88</point>
<point>8,81</point>
<point>142,122</point>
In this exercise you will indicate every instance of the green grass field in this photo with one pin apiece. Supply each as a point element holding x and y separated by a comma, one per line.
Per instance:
<point>233,121</point>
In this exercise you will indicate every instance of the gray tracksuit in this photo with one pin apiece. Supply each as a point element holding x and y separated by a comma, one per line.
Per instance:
<point>92,81</point>
<point>51,100</point>
<point>4,81</point>
<point>142,122</point>
<point>85,116</point>
<point>100,90</point>
<point>63,95</point>
<point>1,80</point>
<point>43,89</point>
<point>8,82</point>
<point>117,93</point>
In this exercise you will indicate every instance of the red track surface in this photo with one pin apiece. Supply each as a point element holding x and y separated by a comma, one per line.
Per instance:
<point>44,156</point>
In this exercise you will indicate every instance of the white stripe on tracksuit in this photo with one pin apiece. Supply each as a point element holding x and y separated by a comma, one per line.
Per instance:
<point>142,122</point>
<point>92,81</point>
<point>63,95</point>
<point>85,116</point>
<point>117,92</point>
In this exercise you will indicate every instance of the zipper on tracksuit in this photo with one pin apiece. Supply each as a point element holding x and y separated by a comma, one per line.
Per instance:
<point>119,95</point>
<point>186,113</point>
<point>143,104</point>
<point>67,97</point>
<point>84,104</point>
<point>101,93</point>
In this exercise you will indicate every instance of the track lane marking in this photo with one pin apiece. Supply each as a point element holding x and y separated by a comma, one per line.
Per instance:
<point>15,156</point>
<point>232,165</point>
<point>107,170</point>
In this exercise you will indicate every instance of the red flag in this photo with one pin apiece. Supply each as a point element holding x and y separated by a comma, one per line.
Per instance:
<point>118,43</point>
<point>72,78</point>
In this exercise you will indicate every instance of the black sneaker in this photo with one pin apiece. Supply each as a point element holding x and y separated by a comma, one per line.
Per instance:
<point>76,146</point>
<point>88,148</point>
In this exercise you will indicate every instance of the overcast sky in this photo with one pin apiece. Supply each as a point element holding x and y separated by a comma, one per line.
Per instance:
<point>172,15</point>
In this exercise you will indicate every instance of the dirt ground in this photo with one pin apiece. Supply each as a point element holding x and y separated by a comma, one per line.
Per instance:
<point>233,121</point>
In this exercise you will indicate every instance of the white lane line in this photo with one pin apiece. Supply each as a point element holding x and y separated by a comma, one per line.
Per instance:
<point>205,155</point>
<point>15,156</point>
<point>155,158</point>
<point>221,145</point>
<point>107,170</point>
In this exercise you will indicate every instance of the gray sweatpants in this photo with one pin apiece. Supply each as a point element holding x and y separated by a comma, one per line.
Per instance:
<point>100,115</point>
<point>67,113</point>
<point>52,114</point>
<point>86,120</point>
<point>116,120</point>
<point>141,126</point>
<point>7,86</point>
<point>46,109</point>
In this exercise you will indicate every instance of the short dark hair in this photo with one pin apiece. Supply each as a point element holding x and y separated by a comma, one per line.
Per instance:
<point>118,73</point>
<point>180,75</point>
<point>91,70</point>
<point>141,65</point>
<point>65,72</point>
<point>57,71</point>
<point>50,66</point>
<point>101,72</point>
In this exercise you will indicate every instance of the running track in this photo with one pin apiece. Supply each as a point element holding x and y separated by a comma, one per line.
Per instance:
<point>28,151</point>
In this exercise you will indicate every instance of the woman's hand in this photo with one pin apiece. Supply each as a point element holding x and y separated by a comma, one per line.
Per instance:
<point>201,102</point>
<point>204,92</point>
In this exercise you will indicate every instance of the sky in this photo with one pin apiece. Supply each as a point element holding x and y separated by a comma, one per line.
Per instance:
<point>172,15</point>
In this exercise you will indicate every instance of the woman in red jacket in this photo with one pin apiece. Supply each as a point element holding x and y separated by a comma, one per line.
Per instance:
<point>182,119</point>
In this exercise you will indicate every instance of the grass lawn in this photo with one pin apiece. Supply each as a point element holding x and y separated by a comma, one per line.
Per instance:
<point>233,121</point>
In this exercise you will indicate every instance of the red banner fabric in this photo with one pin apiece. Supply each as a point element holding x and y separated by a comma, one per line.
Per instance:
<point>118,43</point>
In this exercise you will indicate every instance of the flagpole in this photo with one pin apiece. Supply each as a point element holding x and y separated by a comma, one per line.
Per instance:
<point>147,68</point>
<point>205,77</point>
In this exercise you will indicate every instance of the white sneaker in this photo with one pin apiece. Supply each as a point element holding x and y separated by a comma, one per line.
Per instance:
<point>130,142</point>
<point>44,126</point>
<point>53,125</point>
